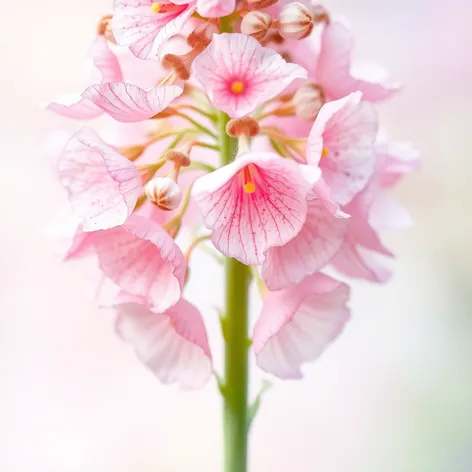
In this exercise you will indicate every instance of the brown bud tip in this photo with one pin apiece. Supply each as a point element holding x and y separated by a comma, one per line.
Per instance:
<point>178,64</point>
<point>308,100</point>
<point>104,28</point>
<point>320,14</point>
<point>245,126</point>
<point>259,4</point>
<point>202,35</point>
<point>256,24</point>
<point>179,157</point>
<point>296,21</point>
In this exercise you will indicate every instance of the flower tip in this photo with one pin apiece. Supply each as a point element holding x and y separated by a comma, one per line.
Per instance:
<point>163,192</point>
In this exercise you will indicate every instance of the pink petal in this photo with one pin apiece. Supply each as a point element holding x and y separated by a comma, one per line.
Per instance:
<point>173,344</point>
<point>245,225</point>
<point>297,324</point>
<point>387,213</point>
<point>105,61</point>
<point>355,261</point>
<point>128,103</point>
<point>135,25</point>
<point>103,186</point>
<point>346,129</point>
<point>334,73</point>
<point>262,72</point>
<point>215,8</point>
<point>319,240</point>
<point>74,106</point>
<point>81,245</point>
<point>144,261</point>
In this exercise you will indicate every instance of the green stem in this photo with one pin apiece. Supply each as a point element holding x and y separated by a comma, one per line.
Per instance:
<point>235,331</point>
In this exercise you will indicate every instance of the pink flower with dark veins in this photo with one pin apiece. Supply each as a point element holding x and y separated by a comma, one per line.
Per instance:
<point>297,324</point>
<point>173,344</point>
<point>257,202</point>
<point>247,74</point>
<point>144,26</point>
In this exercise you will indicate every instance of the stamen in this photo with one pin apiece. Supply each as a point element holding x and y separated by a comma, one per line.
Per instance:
<point>237,87</point>
<point>324,153</point>
<point>249,185</point>
<point>156,7</point>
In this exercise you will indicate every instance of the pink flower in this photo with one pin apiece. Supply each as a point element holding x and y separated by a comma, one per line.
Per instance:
<point>334,72</point>
<point>247,74</point>
<point>341,142</point>
<point>143,260</point>
<point>145,26</point>
<point>103,186</point>
<point>173,344</point>
<point>252,204</point>
<point>128,103</point>
<point>215,8</point>
<point>297,324</point>
<point>109,70</point>
<point>309,251</point>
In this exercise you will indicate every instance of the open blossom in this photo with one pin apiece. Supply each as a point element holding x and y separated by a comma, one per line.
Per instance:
<point>334,71</point>
<point>341,142</point>
<point>143,260</point>
<point>109,70</point>
<point>247,73</point>
<point>173,344</point>
<point>144,25</point>
<point>296,324</point>
<point>129,103</point>
<point>103,186</point>
<point>256,202</point>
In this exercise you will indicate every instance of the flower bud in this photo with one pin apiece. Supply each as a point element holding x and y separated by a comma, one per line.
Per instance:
<point>308,100</point>
<point>245,126</point>
<point>164,192</point>
<point>260,4</point>
<point>296,21</point>
<point>256,24</point>
<point>202,35</point>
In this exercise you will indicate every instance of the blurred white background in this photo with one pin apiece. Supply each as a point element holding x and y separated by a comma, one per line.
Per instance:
<point>393,394</point>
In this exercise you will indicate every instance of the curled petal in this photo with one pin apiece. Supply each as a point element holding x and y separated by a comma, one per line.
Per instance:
<point>341,142</point>
<point>172,344</point>
<point>128,103</point>
<point>105,61</point>
<point>136,25</point>
<point>74,106</point>
<point>247,74</point>
<point>103,186</point>
<point>297,324</point>
<point>256,202</point>
<point>333,70</point>
<point>309,251</point>
<point>144,261</point>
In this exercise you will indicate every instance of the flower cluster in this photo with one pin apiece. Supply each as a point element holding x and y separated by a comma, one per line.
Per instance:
<point>270,84</point>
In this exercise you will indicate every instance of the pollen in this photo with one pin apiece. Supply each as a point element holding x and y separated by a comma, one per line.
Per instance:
<point>324,153</point>
<point>237,87</point>
<point>156,7</point>
<point>249,187</point>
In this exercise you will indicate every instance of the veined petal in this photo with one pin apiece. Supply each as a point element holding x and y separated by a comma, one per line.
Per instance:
<point>333,70</point>
<point>297,324</point>
<point>341,142</point>
<point>247,74</point>
<point>128,103</point>
<point>309,251</point>
<point>173,344</point>
<point>103,186</point>
<point>73,106</point>
<point>105,61</point>
<point>137,26</point>
<point>257,202</point>
<point>144,261</point>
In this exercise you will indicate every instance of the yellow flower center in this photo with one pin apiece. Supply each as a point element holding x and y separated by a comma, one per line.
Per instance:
<point>324,153</point>
<point>156,7</point>
<point>237,87</point>
<point>248,182</point>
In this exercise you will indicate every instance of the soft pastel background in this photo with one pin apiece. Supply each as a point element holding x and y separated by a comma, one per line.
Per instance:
<point>393,394</point>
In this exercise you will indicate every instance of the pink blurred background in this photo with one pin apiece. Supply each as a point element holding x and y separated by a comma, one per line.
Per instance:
<point>393,394</point>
